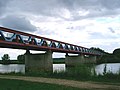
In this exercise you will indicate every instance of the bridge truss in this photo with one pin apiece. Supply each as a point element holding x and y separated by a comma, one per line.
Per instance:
<point>10,38</point>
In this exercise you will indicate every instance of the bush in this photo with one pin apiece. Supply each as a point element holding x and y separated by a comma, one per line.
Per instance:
<point>77,72</point>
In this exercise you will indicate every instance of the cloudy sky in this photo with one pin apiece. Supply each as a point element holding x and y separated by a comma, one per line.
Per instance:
<point>88,23</point>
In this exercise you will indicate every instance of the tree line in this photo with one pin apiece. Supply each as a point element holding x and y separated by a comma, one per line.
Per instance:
<point>113,57</point>
<point>6,59</point>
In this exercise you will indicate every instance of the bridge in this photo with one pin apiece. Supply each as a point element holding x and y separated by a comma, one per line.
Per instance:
<point>10,38</point>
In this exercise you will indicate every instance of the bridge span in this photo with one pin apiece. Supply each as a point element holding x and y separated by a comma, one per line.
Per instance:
<point>10,38</point>
<point>19,40</point>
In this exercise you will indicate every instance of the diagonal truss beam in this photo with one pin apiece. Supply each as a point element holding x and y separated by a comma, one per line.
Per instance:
<point>10,38</point>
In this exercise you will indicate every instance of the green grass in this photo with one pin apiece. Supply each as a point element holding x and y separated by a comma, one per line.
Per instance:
<point>83,72</point>
<point>6,84</point>
<point>79,73</point>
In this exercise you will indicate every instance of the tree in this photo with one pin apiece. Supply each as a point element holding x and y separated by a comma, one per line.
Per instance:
<point>111,58</point>
<point>6,58</point>
<point>21,58</point>
<point>99,50</point>
<point>116,52</point>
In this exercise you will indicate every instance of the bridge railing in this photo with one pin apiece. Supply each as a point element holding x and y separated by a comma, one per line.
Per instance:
<point>41,43</point>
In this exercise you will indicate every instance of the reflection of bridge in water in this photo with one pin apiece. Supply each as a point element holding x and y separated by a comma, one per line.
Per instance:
<point>19,40</point>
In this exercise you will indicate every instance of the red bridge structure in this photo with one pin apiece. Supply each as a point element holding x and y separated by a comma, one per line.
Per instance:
<point>10,38</point>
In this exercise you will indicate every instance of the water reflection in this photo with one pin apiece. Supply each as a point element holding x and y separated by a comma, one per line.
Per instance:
<point>114,68</point>
<point>12,68</point>
<point>58,67</point>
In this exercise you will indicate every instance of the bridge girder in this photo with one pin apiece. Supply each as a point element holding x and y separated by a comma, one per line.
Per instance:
<point>19,40</point>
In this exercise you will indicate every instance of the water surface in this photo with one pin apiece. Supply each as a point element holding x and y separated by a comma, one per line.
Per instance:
<point>110,67</point>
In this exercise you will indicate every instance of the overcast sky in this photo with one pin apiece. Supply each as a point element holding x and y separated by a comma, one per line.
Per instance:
<point>88,23</point>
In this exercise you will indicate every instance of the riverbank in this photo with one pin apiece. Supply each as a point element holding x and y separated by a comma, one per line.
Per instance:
<point>81,73</point>
<point>67,84</point>
<point>11,62</point>
<point>55,61</point>
<point>58,60</point>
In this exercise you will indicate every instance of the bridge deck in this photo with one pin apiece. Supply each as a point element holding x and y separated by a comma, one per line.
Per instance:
<point>19,40</point>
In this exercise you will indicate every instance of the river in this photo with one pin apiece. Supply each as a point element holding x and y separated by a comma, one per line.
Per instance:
<point>110,67</point>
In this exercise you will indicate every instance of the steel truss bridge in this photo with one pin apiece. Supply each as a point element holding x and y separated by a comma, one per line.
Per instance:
<point>10,38</point>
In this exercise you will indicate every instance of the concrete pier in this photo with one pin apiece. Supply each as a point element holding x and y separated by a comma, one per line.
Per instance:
<point>38,62</point>
<point>91,59</point>
<point>72,61</point>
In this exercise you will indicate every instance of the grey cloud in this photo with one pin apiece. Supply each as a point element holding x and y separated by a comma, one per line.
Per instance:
<point>111,29</point>
<point>37,7</point>
<point>3,4</point>
<point>110,4</point>
<point>17,22</point>
<point>45,31</point>
<point>96,8</point>
<point>92,4</point>
<point>86,4</point>
<point>53,8</point>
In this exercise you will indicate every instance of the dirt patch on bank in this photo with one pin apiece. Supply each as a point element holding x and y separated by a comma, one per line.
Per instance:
<point>72,83</point>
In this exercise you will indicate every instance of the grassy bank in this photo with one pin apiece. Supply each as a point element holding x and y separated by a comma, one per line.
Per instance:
<point>80,72</point>
<point>6,84</point>
<point>84,72</point>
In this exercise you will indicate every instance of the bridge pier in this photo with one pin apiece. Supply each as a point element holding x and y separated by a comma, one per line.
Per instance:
<point>72,61</point>
<point>38,62</point>
<point>91,59</point>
